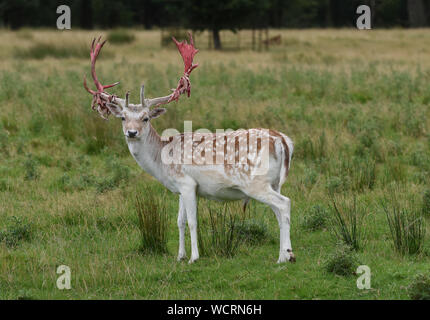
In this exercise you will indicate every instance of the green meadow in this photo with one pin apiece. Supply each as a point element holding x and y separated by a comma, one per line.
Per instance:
<point>355,103</point>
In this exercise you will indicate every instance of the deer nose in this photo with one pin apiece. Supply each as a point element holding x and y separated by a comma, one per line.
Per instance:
<point>131,133</point>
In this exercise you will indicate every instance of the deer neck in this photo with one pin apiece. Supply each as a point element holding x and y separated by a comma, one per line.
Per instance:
<point>147,153</point>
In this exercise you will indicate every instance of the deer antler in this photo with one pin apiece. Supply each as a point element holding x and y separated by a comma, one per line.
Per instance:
<point>187,51</point>
<point>100,97</point>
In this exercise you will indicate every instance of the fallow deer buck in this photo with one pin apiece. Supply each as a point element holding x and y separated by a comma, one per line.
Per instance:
<point>224,166</point>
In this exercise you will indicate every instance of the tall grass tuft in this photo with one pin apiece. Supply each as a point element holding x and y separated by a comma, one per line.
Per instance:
<point>31,168</point>
<point>251,228</point>
<point>426,203</point>
<point>419,289</point>
<point>252,232</point>
<point>4,145</point>
<point>4,185</point>
<point>16,231</point>
<point>217,229</point>
<point>153,221</point>
<point>65,122</point>
<point>312,148</point>
<point>347,222</point>
<point>117,173</point>
<point>394,171</point>
<point>342,261</point>
<point>407,225</point>
<point>99,134</point>
<point>363,173</point>
<point>337,184</point>
<point>315,218</point>
<point>43,50</point>
<point>120,36</point>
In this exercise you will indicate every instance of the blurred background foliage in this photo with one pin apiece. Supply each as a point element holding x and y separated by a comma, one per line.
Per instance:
<point>214,15</point>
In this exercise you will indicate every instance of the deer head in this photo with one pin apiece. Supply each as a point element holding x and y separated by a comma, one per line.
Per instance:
<point>136,117</point>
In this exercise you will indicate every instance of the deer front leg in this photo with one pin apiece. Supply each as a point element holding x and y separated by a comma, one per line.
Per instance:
<point>190,203</point>
<point>181,225</point>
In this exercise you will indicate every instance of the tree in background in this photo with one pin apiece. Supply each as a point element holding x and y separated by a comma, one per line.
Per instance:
<point>389,13</point>
<point>86,14</point>
<point>417,13</point>
<point>15,14</point>
<point>217,15</point>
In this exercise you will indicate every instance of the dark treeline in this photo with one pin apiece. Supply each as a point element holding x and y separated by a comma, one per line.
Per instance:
<point>227,13</point>
<point>214,15</point>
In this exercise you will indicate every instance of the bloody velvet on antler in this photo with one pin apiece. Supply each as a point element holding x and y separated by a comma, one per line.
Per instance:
<point>101,98</point>
<point>98,100</point>
<point>187,51</point>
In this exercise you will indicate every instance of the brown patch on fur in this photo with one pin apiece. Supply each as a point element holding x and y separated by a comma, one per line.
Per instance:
<point>237,146</point>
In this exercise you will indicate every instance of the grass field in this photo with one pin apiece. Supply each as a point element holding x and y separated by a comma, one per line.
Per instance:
<point>355,103</point>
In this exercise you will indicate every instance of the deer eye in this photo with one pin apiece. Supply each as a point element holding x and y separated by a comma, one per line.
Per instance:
<point>145,119</point>
<point>123,118</point>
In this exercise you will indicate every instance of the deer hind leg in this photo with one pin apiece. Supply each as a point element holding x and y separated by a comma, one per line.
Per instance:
<point>281,206</point>
<point>181,225</point>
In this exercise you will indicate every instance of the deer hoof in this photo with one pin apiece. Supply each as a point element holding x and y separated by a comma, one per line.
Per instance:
<point>181,257</point>
<point>287,255</point>
<point>192,260</point>
<point>292,258</point>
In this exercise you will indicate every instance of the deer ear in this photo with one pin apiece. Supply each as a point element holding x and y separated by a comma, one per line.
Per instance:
<point>155,113</point>
<point>115,109</point>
